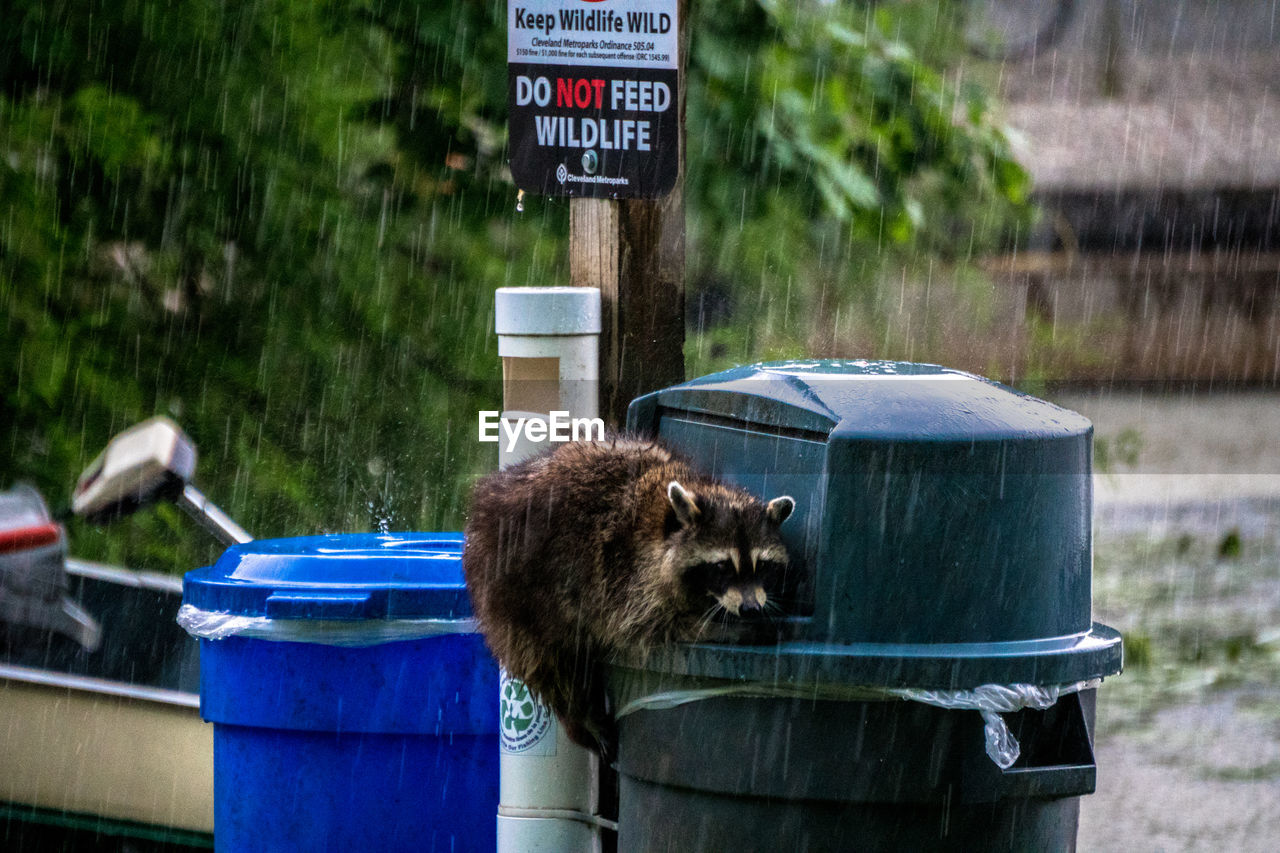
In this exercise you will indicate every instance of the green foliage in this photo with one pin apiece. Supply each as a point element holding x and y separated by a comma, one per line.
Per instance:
<point>864,119</point>
<point>832,111</point>
<point>213,228</point>
<point>830,165</point>
<point>1194,624</point>
<point>1122,449</point>
<point>281,222</point>
<point>1229,546</point>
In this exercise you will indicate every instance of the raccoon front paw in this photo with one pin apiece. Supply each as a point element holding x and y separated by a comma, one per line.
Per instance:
<point>604,732</point>
<point>744,632</point>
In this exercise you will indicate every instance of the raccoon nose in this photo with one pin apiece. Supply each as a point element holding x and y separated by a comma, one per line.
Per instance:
<point>749,609</point>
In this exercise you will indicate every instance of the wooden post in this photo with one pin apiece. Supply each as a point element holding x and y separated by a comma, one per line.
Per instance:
<point>633,251</point>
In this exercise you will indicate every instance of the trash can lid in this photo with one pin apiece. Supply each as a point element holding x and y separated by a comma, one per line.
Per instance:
<point>336,577</point>
<point>839,399</point>
<point>941,536</point>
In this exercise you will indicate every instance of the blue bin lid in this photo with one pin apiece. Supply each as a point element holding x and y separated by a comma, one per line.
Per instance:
<point>350,576</point>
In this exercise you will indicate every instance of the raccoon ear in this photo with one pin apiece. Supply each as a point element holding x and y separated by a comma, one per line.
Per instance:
<point>779,510</point>
<point>683,502</point>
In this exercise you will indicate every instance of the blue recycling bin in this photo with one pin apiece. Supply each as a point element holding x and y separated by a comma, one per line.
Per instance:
<point>351,697</point>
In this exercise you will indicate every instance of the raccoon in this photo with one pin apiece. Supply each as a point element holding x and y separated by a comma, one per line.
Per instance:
<point>592,548</point>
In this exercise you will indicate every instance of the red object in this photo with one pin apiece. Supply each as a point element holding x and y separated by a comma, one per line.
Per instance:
<point>22,538</point>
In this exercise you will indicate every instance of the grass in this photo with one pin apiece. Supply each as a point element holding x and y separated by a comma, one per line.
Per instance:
<point>1199,612</point>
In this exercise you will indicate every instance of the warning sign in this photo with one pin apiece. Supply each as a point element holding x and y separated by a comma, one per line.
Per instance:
<point>594,94</point>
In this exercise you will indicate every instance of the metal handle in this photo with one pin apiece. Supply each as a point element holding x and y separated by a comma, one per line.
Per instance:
<point>211,518</point>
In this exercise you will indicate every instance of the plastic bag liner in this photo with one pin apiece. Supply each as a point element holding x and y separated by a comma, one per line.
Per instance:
<point>218,625</point>
<point>991,700</point>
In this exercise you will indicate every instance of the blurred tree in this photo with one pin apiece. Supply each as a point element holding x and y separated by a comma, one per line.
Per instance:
<point>822,149</point>
<point>281,222</point>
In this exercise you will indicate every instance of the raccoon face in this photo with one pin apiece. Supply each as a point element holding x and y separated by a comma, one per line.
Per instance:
<point>730,555</point>
<point>744,594</point>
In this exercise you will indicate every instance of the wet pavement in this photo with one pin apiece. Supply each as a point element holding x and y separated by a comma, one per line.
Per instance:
<point>1187,565</point>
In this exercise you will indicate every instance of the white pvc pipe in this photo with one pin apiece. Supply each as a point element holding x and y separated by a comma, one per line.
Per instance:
<point>548,785</point>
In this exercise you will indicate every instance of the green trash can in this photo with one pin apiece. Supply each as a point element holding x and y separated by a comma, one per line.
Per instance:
<point>934,686</point>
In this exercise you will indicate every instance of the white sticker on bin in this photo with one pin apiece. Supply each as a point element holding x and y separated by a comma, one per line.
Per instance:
<point>526,726</point>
